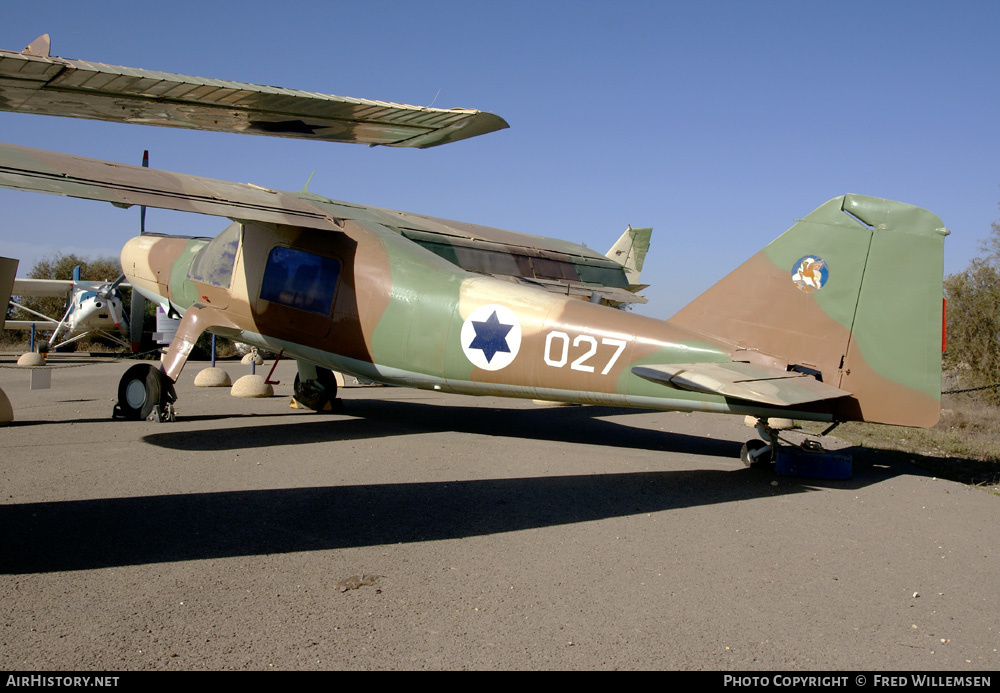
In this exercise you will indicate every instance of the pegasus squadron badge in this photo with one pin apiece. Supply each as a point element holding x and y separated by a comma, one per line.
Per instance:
<point>810,273</point>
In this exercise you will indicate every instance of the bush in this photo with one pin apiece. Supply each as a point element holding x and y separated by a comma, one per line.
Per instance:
<point>973,320</point>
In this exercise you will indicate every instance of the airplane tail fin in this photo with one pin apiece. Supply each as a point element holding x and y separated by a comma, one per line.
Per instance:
<point>630,252</point>
<point>852,295</point>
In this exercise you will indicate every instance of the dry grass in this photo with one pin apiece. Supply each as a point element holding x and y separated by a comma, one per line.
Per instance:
<point>84,346</point>
<point>964,446</point>
<point>225,349</point>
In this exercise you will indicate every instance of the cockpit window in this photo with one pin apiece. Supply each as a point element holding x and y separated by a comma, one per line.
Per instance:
<point>214,263</point>
<point>300,280</point>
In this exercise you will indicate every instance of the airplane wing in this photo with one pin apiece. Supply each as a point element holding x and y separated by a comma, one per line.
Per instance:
<point>562,267</point>
<point>33,82</point>
<point>742,381</point>
<point>37,170</point>
<point>558,266</point>
<point>42,288</point>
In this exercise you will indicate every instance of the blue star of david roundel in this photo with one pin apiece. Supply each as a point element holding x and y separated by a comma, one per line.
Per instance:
<point>491,337</point>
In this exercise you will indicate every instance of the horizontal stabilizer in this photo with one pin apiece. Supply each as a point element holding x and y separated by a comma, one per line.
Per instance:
<point>742,381</point>
<point>33,82</point>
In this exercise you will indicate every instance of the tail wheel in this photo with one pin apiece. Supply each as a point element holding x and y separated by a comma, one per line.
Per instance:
<point>142,388</point>
<point>752,454</point>
<point>316,394</point>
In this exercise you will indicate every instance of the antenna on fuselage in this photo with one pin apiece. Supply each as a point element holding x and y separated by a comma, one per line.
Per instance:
<point>305,188</point>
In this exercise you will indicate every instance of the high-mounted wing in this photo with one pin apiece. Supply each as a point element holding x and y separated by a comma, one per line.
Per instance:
<point>34,82</point>
<point>42,288</point>
<point>741,380</point>
<point>558,266</point>
<point>37,288</point>
<point>37,170</point>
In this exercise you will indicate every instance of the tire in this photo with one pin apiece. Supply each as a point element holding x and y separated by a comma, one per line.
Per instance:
<point>752,446</point>
<point>141,389</point>
<point>316,394</point>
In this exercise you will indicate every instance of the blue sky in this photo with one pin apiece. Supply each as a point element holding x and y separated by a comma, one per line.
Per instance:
<point>716,123</point>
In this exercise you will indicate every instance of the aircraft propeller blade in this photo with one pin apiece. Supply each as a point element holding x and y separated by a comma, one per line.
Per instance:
<point>113,313</point>
<point>108,290</point>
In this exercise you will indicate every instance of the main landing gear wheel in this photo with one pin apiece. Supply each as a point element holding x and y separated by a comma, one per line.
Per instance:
<point>317,394</point>
<point>144,392</point>
<point>756,453</point>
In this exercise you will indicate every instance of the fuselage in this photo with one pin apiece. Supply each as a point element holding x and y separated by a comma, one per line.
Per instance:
<point>90,311</point>
<point>369,302</point>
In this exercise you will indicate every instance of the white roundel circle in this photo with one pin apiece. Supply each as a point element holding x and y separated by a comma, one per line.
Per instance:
<point>491,337</point>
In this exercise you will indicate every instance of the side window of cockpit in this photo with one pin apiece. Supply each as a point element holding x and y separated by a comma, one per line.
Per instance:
<point>302,280</point>
<point>214,263</point>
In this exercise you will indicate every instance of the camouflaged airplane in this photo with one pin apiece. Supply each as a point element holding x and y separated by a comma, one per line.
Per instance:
<point>838,319</point>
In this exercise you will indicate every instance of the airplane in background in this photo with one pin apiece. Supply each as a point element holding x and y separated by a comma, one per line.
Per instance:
<point>92,309</point>
<point>838,319</point>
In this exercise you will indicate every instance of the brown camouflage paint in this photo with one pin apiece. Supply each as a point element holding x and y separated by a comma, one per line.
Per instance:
<point>400,309</point>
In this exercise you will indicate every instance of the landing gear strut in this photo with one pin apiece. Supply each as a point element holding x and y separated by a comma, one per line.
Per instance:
<point>805,458</point>
<point>144,392</point>
<point>763,453</point>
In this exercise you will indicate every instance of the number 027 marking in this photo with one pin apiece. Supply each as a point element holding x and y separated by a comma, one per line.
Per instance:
<point>557,351</point>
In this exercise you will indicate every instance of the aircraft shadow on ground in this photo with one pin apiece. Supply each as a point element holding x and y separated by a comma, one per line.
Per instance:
<point>99,533</point>
<point>374,418</point>
<point>371,418</point>
<point>91,534</point>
